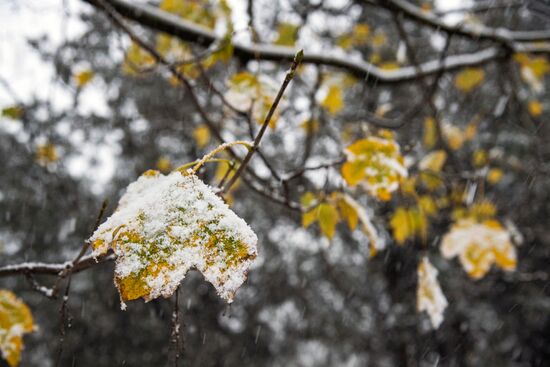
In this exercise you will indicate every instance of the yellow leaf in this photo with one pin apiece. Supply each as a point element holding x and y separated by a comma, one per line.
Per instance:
<point>482,210</point>
<point>376,163</point>
<point>196,11</point>
<point>538,65</point>
<point>310,125</point>
<point>354,213</point>
<point>427,204</point>
<point>328,218</point>
<point>13,112</point>
<point>309,217</point>
<point>469,79</point>
<point>15,321</point>
<point>494,175</point>
<point>429,296</point>
<point>389,65</point>
<point>454,136</point>
<point>353,172</point>
<point>426,7</point>
<point>479,158</point>
<point>307,199</point>
<point>135,59</point>
<point>430,133</point>
<point>166,225</point>
<point>164,164</point>
<point>46,153</point>
<point>334,101</point>
<point>287,34</point>
<point>401,225</point>
<point>348,212</point>
<point>470,131</point>
<point>202,135</point>
<point>432,180</point>
<point>535,108</point>
<point>479,245</point>
<point>223,54</point>
<point>360,34</point>
<point>408,223</point>
<point>379,40</point>
<point>83,77</point>
<point>433,161</point>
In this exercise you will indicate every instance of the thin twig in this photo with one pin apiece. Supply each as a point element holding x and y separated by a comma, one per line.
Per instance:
<point>288,78</point>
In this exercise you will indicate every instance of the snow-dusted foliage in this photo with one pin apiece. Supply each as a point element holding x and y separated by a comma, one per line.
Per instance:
<point>479,245</point>
<point>429,296</point>
<point>376,164</point>
<point>166,225</point>
<point>15,320</point>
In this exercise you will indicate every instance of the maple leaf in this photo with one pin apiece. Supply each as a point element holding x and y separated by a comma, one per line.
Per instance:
<point>166,225</point>
<point>376,164</point>
<point>15,320</point>
<point>429,296</point>
<point>479,245</point>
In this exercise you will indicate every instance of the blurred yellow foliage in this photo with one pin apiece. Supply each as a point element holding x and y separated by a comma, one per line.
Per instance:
<point>15,321</point>
<point>469,78</point>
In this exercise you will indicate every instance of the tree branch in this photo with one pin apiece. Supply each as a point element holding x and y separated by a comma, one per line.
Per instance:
<point>171,24</point>
<point>54,268</point>
<point>505,37</point>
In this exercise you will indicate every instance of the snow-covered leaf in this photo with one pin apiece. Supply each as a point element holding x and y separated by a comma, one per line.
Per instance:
<point>429,296</point>
<point>15,320</point>
<point>376,164</point>
<point>166,225</point>
<point>479,245</point>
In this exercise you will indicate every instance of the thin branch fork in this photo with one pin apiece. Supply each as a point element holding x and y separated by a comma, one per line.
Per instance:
<point>288,78</point>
